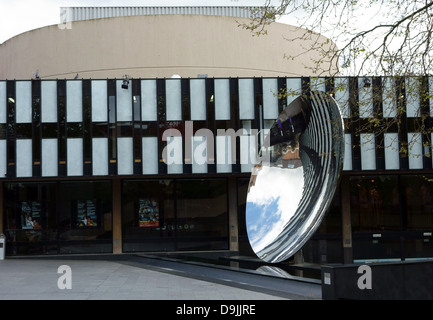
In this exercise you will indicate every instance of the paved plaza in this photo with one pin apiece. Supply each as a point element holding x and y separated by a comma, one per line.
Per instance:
<point>133,279</point>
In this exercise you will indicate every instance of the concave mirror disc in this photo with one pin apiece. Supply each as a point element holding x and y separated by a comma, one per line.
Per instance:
<point>295,178</point>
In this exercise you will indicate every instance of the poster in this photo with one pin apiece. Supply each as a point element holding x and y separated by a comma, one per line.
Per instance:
<point>86,214</point>
<point>148,213</point>
<point>30,215</point>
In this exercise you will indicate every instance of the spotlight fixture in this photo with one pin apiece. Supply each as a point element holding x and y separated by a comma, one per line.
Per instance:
<point>125,83</point>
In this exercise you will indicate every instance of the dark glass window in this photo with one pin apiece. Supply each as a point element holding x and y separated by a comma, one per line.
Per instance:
<point>374,203</point>
<point>30,218</point>
<point>99,130</point>
<point>85,217</point>
<point>376,218</point>
<point>49,130</point>
<point>202,217</point>
<point>243,242</point>
<point>417,216</point>
<point>149,129</point>
<point>75,130</point>
<point>124,129</point>
<point>418,196</point>
<point>164,215</point>
<point>24,131</point>
<point>148,221</point>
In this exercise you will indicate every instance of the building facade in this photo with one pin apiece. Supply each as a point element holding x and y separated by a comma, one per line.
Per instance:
<point>157,45</point>
<point>92,161</point>
<point>107,166</point>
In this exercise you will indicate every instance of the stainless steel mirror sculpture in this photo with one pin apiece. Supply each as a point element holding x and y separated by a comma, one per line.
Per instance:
<point>294,181</point>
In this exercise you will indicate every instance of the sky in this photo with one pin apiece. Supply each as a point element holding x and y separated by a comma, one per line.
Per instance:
<point>271,203</point>
<point>18,16</point>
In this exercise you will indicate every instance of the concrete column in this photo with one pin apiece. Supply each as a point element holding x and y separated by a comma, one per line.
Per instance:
<point>117,215</point>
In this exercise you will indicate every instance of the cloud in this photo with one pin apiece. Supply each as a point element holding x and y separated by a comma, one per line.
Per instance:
<point>271,203</point>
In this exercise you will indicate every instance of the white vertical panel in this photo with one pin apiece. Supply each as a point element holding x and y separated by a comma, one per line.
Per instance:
<point>125,159</point>
<point>100,156</point>
<point>412,97</point>
<point>368,151</point>
<point>270,98</point>
<point>415,150</point>
<point>24,158</point>
<point>123,102</point>
<point>267,125</point>
<point>173,99</point>
<point>49,158</point>
<point>222,99</point>
<point>248,152</point>
<point>148,100</point>
<point>198,99</point>
<point>23,100</point>
<point>365,97</point>
<point>389,100</point>
<point>49,101</point>
<point>294,88</point>
<point>74,157</point>
<point>318,84</point>
<point>150,155</point>
<point>392,159</point>
<point>223,154</point>
<point>3,160</point>
<point>3,109</point>
<point>99,101</point>
<point>246,99</point>
<point>74,101</point>
<point>347,162</point>
<point>341,96</point>
<point>174,155</point>
<point>247,148</point>
<point>199,154</point>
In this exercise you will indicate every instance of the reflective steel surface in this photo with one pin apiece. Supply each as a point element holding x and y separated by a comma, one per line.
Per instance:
<point>295,178</point>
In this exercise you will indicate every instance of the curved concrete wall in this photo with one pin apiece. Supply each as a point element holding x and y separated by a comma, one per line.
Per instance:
<point>154,46</point>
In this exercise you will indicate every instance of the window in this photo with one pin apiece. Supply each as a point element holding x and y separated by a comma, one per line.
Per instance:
<point>85,217</point>
<point>148,222</point>
<point>376,218</point>
<point>202,217</point>
<point>374,203</point>
<point>418,197</point>
<point>30,218</point>
<point>164,215</point>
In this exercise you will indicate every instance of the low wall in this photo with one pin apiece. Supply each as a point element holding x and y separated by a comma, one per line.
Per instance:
<point>379,281</point>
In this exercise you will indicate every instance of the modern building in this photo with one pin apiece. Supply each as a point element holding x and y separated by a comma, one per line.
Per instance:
<point>102,163</point>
